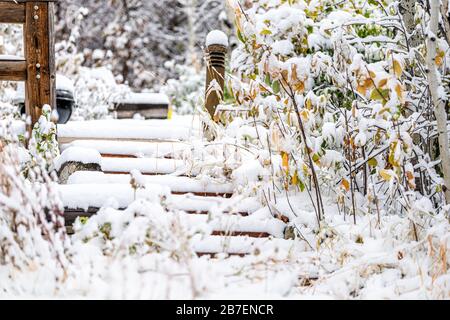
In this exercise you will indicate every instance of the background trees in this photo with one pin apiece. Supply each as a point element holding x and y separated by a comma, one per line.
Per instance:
<point>136,37</point>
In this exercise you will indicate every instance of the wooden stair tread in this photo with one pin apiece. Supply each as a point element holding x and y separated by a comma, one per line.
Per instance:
<point>178,185</point>
<point>110,148</point>
<point>232,225</point>
<point>125,130</point>
<point>239,246</point>
<point>88,197</point>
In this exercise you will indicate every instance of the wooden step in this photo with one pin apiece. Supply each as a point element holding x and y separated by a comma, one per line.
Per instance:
<point>131,149</point>
<point>89,197</point>
<point>240,246</point>
<point>229,225</point>
<point>126,130</point>
<point>177,185</point>
<point>147,105</point>
<point>151,166</point>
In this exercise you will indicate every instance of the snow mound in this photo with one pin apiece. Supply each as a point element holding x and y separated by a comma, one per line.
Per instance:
<point>78,154</point>
<point>216,37</point>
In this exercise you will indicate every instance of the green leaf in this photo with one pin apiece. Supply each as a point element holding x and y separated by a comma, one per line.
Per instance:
<point>276,86</point>
<point>381,95</point>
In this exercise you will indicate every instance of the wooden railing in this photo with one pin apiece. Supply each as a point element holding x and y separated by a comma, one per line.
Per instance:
<point>37,67</point>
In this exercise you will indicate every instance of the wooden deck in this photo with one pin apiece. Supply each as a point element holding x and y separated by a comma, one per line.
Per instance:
<point>119,153</point>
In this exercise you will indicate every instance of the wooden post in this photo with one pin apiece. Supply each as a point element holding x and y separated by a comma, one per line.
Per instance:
<point>37,68</point>
<point>216,50</point>
<point>40,58</point>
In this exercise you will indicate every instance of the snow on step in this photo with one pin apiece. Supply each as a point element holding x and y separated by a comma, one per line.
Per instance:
<point>193,122</point>
<point>85,196</point>
<point>240,245</point>
<point>130,148</point>
<point>131,130</point>
<point>176,184</point>
<point>147,165</point>
<point>118,165</point>
<point>237,224</point>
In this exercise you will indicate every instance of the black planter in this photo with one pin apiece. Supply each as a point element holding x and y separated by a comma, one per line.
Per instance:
<point>64,105</point>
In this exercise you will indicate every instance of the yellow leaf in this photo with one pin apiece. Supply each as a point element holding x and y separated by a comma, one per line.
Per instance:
<point>299,87</point>
<point>364,86</point>
<point>294,72</point>
<point>385,174</point>
<point>265,32</point>
<point>305,115</point>
<point>398,68</point>
<point>382,83</point>
<point>409,175</point>
<point>399,92</point>
<point>345,184</point>
<point>411,179</point>
<point>295,178</point>
<point>372,162</point>
<point>285,162</point>
<point>308,103</point>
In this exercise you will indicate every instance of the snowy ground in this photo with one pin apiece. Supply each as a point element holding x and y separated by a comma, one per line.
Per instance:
<point>366,260</point>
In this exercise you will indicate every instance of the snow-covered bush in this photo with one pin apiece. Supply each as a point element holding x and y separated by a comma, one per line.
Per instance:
<point>145,227</point>
<point>186,90</point>
<point>341,97</point>
<point>43,141</point>
<point>33,237</point>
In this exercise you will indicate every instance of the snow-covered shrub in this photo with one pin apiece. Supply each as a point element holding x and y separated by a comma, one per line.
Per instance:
<point>339,96</point>
<point>33,237</point>
<point>186,90</point>
<point>43,141</point>
<point>144,227</point>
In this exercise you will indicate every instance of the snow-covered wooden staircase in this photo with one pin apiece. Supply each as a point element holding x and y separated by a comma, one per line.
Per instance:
<point>98,157</point>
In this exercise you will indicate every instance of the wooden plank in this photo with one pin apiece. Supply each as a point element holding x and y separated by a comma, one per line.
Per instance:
<point>70,215</point>
<point>13,70</point>
<point>39,53</point>
<point>11,12</point>
<point>66,140</point>
<point>146,110</point>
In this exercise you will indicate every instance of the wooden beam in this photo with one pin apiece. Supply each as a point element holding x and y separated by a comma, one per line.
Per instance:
<point>11,12</point>
<point>39,53</point>
<point>13,70</point>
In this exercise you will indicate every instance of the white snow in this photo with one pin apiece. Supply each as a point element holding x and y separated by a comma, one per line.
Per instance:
<point>144,98</point>
<point>64,83</point>
<point>283,47</point>
<point>78,154</point>
<point>131,148</point>
<point>121,165</point>
<point>144,165</point>
<point>83,196</point>
<point>217,37</point>
<point>139,130</point>
<point>176,184</point>
<point>11,57</point>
